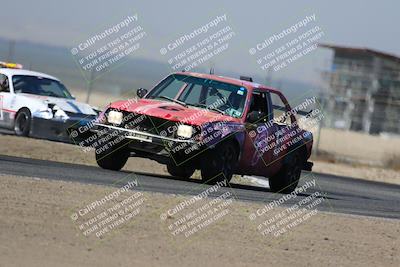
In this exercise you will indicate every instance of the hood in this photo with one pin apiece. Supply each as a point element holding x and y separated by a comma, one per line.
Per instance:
<point>68,105</point>
<point>172,111</point>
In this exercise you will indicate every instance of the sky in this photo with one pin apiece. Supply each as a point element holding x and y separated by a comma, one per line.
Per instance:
<point>372,24</point>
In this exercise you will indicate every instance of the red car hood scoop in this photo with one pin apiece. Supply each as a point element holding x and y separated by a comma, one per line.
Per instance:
<point>171,108</point>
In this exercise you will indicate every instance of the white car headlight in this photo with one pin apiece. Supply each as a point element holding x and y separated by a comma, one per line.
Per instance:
<point>114,117</point>
<point>185,131</point>
<point>60,114</point>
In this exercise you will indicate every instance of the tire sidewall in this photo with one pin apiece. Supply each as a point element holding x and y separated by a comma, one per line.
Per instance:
<point>287,179</point>
<point>213,167</point>
<point>114,158</point>
<point>23,114</point>
<point>181,171</point>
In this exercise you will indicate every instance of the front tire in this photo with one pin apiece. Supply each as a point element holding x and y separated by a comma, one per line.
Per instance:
<point>114,158</point>
<point>287,179</point>
<point>182,171</point>
<point>22,124</point>
<point>219,163</point>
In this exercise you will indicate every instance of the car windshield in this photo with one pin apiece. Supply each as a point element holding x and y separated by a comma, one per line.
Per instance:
<point>39,86</point>
<point>216,96</point>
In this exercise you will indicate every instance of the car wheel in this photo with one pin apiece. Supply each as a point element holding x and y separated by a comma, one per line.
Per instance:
<point>113,158</point>
<point>22,124</point>
<point>182,171</point>
<point>287,179</point>
<point>219,164</point>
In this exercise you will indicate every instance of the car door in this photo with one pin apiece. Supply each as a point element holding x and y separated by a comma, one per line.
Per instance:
<point>284,123</point>
<point>257,156</point>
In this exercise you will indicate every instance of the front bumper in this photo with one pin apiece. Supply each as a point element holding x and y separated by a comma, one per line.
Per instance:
<point>140,135</point>
<point>144,143</point>
<point>61,130</point>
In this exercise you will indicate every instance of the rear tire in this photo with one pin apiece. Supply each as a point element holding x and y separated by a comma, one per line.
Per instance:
<point>287,179</point>
<point>113,159</point>
<point>182,171</point>
<point>219,163</point>
<point>22,124</point>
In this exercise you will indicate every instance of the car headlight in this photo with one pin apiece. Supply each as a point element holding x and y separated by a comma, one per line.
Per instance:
<point>60,114</point>
<point>185,131</point>
<point>114,117</point>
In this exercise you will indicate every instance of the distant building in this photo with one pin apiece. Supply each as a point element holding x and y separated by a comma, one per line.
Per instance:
<point>364,90</point>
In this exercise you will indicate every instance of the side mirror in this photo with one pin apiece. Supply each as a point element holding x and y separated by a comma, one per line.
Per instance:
<point>255,116</point>
<point>141,92</point>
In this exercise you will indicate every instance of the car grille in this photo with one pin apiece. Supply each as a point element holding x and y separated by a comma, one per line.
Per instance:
<point>149,124</point>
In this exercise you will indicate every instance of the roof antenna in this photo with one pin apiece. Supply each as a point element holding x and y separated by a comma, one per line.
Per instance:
<point>211,71</point>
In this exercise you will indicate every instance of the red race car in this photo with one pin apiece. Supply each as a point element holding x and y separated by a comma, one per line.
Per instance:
<point>221,126</point>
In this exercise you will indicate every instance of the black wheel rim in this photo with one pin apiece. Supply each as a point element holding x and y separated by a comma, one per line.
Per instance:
<point>21,123</point>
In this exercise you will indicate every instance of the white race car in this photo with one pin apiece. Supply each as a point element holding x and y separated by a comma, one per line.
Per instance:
<point>39,105</point>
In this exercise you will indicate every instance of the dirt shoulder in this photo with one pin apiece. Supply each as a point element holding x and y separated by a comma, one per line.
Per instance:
<point>47,150</point>
<point>357,171</point>
<point>37,230</point>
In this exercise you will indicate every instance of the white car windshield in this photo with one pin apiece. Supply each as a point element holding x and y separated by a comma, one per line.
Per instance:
<point>39,86</point>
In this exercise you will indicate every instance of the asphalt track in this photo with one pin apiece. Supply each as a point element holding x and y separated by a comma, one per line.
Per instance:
<point>342,195</point>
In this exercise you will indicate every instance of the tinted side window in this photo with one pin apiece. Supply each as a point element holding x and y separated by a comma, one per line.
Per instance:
<point>279,110</point>
<point>259,103</point>
<point>4,85</point>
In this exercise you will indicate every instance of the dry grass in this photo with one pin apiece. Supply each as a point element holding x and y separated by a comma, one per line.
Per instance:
<point>357,147</point>
<point>324,156</point>
<point>393,162</point>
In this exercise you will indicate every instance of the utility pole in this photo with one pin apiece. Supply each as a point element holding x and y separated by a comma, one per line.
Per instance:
<point>90,85</point>
<point>11,51</point>
<point>268,78</point>
<point>279,84</point>
<point>321,102</point>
